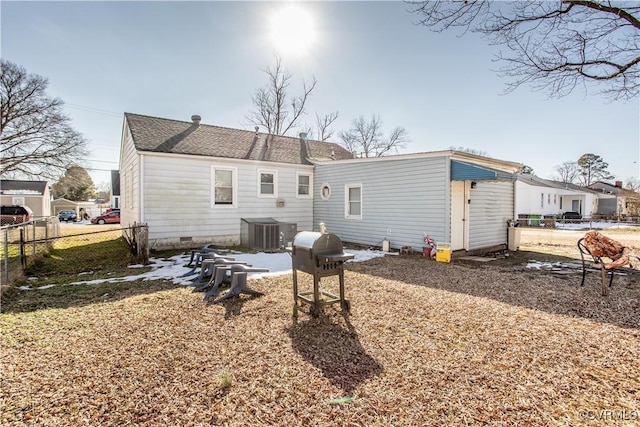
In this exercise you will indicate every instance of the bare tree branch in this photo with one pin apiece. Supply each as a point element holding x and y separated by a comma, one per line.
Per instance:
<point>567,172</point>
<point>273,109</point>
<point>322,130</point>
<point>36,139</point>
<point>555,46</point>
<point>365,138</point>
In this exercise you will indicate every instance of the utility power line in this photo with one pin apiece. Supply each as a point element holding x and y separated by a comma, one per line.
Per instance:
<point>93,110</point>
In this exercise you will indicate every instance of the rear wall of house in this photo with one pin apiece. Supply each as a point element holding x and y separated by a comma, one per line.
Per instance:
<point>536,200</point>
<point>178,199</point>
<point>490,208</point>
<point>402,199</point>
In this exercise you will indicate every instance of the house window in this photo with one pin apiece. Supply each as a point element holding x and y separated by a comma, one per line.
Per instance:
<point>542,200</point>
<point>353,201</point>
<point>129,187</point>
<point>267,186</point>
<point>224,186</point>
<point>304,185</point>
<point>325,191</point>
<point>555,199</point>
<point>549,198</point>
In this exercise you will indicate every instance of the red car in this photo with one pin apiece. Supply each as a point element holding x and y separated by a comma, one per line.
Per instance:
<point>112,217</point>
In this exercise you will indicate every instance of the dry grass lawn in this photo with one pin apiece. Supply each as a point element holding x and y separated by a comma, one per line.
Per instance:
<point>426,344</point>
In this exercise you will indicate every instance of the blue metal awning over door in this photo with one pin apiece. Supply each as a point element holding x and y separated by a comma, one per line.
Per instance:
<point>461,171</point>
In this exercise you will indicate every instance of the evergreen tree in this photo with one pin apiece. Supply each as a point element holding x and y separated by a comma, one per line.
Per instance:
<point>75,185</point>
<point>592,168</point>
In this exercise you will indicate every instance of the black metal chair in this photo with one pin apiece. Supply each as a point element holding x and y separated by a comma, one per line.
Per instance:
<point>585,253</point>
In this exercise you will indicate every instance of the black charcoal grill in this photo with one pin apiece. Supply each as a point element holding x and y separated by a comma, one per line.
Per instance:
<point>320,255</point>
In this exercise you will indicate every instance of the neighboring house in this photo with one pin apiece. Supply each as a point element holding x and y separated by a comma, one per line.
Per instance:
<point>454,197</point>
<point>114,198</point>
<point>541,197</point>
<point>62,204</point>
<point>34,194</point>
<point>621,202</point>
<point>194,184</point>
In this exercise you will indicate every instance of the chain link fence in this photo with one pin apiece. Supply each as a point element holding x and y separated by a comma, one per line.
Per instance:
<point>22,244</point>
<point>554,221</point>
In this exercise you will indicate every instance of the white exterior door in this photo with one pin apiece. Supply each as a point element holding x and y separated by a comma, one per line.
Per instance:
<point>459,214</point>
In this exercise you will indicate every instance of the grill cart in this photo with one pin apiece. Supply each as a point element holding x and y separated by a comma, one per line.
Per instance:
<point>320,255</point>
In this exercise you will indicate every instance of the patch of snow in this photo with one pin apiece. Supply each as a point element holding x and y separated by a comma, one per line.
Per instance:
<point>539,265</point>
<point>174,268</point>
<point>593,224</point>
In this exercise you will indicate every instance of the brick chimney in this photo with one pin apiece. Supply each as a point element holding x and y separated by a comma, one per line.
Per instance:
<point>618,184</point>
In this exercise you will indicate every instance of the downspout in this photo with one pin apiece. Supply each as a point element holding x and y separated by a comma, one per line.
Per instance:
<point>447,205</point>
<point>141,188</point>
<point>514,200</point>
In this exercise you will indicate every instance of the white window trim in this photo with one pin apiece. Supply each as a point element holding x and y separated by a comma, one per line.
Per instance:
<point>304,196</point>
<point>234,179</point>
<point>275,183</point>
<point>346,201</point>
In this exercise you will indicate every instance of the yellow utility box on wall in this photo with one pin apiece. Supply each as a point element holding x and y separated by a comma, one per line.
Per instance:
<point>443,252</point>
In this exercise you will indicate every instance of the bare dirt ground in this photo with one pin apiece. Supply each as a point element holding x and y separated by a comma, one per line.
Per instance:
<point>425,344</point>
<point>563,242</point>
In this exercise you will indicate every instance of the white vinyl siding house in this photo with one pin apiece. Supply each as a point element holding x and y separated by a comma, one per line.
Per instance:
<point>402,198</point>
<point>189,199</point>
<point>194,184</point>
<point>491,204</point>
<point>542,197</point>
<point>130,162</point>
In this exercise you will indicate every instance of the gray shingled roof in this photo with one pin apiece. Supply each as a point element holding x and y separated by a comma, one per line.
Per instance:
<point>10,186</point>
<point>180,137</point>
<point>535,180</point>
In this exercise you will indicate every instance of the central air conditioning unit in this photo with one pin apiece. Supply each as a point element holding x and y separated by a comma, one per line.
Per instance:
<point>266,234</point>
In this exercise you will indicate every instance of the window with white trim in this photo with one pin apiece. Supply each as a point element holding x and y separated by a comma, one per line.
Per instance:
<point>353,201</point>
<point>267,183</point>
<point>304,184</point>
<point>542,200</point>
<point>224,188</point>
<point>128,183</point>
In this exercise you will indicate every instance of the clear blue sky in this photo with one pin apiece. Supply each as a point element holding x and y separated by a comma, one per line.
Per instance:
<point>175,59</point>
